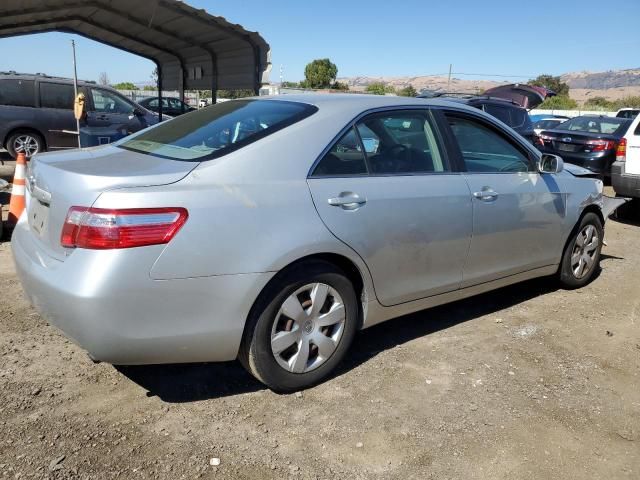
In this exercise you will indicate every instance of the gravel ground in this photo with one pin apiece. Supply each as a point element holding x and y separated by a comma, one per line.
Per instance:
<point>528,382</point>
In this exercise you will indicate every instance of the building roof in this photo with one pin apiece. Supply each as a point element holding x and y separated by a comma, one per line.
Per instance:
<point>192,49</point>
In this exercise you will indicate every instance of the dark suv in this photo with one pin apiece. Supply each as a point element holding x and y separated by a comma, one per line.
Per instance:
<point>507,111</point>
<point>36,114</point>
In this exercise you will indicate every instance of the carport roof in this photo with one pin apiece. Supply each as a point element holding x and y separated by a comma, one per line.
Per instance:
<point>192,49</point>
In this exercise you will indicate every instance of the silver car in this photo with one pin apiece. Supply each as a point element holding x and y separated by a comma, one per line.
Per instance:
<point>271,230</point>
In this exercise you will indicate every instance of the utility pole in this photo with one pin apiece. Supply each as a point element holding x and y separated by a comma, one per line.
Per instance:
<point>281,74</point>
<point>449,81</point>
<point>75,88</point>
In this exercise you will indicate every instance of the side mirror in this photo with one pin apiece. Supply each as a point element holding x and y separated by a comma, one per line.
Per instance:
<point>550,163</point>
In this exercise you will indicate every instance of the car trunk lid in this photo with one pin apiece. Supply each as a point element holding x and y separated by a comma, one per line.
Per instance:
<point>527,96</point>
<point>58,181</point>
<point>577,142</point>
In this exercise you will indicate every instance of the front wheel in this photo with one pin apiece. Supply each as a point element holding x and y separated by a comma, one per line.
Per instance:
<point>26,142</point>
<point>581,258</point>
<point>301,327</point>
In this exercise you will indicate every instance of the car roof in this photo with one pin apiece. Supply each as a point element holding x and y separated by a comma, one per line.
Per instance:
<point>361,102</point>
<point>48,78</point>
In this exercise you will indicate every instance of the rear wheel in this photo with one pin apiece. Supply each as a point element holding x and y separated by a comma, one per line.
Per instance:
<point>301,328</point>
<point>581,258</point>
<point>25,141</point>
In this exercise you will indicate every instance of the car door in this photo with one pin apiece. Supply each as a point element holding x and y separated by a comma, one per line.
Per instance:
<point>386,189</point>
<point>56,113</point>
<point>517,212</point>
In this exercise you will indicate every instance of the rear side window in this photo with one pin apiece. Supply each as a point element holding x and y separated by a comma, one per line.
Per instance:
<point>18,93</point>
<point>213,132</point>
<point>345,157</point>
<point>501,113</point>
<point>518,117</point>
<point>56,95</point>
<point>484,150</point>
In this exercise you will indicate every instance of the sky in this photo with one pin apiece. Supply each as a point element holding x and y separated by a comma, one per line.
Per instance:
<point>492,38</point>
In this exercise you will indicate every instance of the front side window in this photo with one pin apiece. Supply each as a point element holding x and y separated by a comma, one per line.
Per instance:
<point>17,93</point>
<point>212,132</point>
<point>403,142</point>
<point>485,150</point>
<point>56,95</point>
<point>344,158</point>
<point>109,102</point>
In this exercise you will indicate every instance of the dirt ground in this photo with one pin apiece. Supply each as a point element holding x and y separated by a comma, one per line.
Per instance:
<point>528,382</point>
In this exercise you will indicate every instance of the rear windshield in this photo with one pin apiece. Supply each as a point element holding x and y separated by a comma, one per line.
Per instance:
<point>607,125</point>
<point>547,123</point>
<point>217,130</point>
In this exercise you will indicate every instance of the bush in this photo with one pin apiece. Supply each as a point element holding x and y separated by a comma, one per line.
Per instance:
<point>380,88</point>
<point>407,91</point>
<point>561,102</point>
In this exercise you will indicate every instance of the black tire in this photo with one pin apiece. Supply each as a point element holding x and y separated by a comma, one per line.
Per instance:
<point>567,276</point>
<point>37,138</point>
<point>256,353</point>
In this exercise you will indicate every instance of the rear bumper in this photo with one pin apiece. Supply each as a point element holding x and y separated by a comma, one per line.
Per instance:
<point>624,184</point>
<point>106,302</point>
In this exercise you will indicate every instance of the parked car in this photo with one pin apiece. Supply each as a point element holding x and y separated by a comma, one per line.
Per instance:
<point>625,172</point>
<point>268,230</point>
<point>36,113</point>
<point>170,106</point>
<point>588,141</point>
<point>628,113</point>
<point>547,123</point>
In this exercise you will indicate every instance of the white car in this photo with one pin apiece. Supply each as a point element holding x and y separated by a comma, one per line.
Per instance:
<point>625,172</point>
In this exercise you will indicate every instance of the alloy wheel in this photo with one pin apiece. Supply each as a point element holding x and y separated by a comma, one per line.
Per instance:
<point>26,144</point>
<point>585,250</point>
<point>308,328</point>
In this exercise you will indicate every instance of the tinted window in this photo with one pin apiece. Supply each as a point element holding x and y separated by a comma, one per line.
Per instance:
<point>345,157</point>
<point>109,102</point>
<point>628,114</point>
<point>485,150</point>
<point>518,117</point>
<point>400,143</point>
<point>215,131</point>
<point>547,124</point>
<point>501,113</point>
<point>56,95</point>
<point>18,93</point>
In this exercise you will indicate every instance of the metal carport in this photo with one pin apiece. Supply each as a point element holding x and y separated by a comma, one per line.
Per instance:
<point>192,49</point>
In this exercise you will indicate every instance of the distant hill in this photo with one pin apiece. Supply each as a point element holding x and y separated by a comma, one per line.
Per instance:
<point>603,80</point>
<point>422,83</point>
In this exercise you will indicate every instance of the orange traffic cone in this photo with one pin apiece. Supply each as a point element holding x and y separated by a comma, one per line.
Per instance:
<point>17,203</point>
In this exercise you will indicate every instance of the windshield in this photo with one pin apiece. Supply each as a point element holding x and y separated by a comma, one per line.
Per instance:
<point>607,125</point>
<point>217,130</point>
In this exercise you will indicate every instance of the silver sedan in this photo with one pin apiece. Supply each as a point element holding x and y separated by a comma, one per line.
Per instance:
<point>271,230</point>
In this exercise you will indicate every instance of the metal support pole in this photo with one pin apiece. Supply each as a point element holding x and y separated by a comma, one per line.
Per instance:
<point>449,81</point>
<point>75,88</point>
<point>159,68</point>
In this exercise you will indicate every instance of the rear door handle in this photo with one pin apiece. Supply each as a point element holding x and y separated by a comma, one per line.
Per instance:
<point>348,201</point>
<point>487,194</point>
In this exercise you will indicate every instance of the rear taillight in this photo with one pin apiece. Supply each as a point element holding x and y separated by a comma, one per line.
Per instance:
<point>621,151</point>
<point>601,145</point>
<point>541,138</point>
<point>101,229</point>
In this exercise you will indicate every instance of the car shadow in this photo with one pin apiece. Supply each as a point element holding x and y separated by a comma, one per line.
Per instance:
<point>197,382</point>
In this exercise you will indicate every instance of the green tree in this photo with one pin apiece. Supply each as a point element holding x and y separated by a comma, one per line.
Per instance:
<point>379,88</point>
<point>552,83</point>
<point>234,93</point>
<point>561,102</point>
<point>407,91</point>
<point>150,87</point>
<point>321,73</point>
<point>125,86</point>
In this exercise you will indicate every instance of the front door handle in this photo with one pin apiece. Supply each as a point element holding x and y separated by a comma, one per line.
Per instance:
<point>348,201</point>
<point>487,194</point>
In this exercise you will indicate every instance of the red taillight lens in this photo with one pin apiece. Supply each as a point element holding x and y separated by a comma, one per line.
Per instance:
<point>621,151</point>
<point>102,229</point>
<point>601,145</point>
